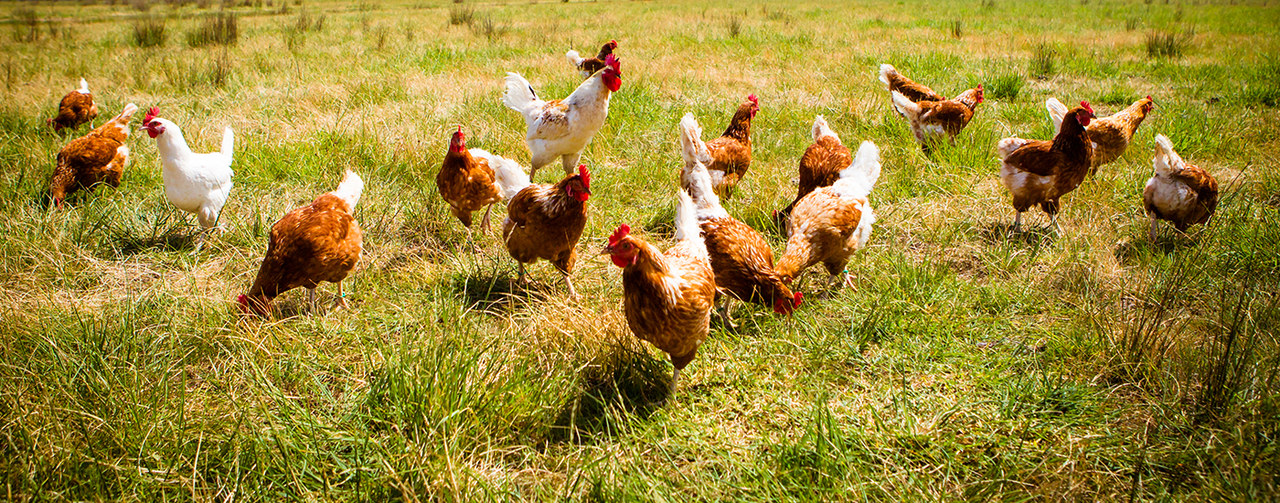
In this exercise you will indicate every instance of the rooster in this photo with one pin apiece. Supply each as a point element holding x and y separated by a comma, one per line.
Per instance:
<point>1110,135</point>
<point>831,223</point>
<point>730,154</point>
<point>563,128</point>
<point>740,257</point>
<point>317,242</point>
<point>468,180</point>
<point>195,183</point>
<point>76,108</point>
<point>1181,193</point>
<point>98,157</point>
<point>667,297</point>
<point>1040,172</point>
<point>589,66</point>
<point>930,120</point>
<point>821,164</point>
<point>545,221</point>
<point>894,81</point>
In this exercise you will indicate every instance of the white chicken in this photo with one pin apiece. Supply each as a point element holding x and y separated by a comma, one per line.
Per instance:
<point>195,183</point>
<point>563,128</point>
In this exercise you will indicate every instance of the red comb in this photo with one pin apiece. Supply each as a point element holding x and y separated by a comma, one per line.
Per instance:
<point>1085,105</point>
<point>752,98</point>
<point>612,61</point>
<point>459,128</point>
<point>1149,98</point>
<point>586,176</point>
<point>613,43</point>
<point>979,87</point>
<point>622,232</point>
<point>151,114</point>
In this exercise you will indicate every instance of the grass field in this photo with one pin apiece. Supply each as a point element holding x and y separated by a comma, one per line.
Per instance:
<point>969,363</point>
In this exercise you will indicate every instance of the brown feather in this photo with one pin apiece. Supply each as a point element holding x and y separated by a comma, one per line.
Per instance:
<point>317,242</point>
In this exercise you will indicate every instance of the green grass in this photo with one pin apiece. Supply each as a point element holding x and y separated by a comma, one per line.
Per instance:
<point>969,364</point>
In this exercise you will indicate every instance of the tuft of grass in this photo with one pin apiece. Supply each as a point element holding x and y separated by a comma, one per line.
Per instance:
<point>1132,23</point>
<point>734,25</point>
<point>140,5</point>
<point>957,29</point>
<point>461,14</point>
<point>1006,87</point>
<point>149,31</point>
<point>1168,44</point>
<point>222,28</point>
<point>26,26</point>
<point>1117,95</point>
<point>1043,60</point>
<point>488,28</point>
<point>306,21</point>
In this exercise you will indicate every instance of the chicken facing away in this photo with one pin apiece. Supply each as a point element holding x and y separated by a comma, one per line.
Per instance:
<point>195,183</point>
<point>1040,172</point>
<point>1110,135</point>
<point>897,82</point>
<point>589,66</point>
<point>563,128</point>
<point>545,221</point>
<point>76,108</point>
<point>317,242</point>
<point>730,153</point>
<point>1181,193</point>
<point>667,297</point>
<point>821,164</point>
<point>97,157</point>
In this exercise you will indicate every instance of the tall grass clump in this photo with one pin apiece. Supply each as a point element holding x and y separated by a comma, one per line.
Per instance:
<point>306,21</point>
<point>1043,60</point>
<point>734,25</point>
<point>1006,87</point>
<point>1168,44</point>
<point>149,32</point>
<point>488,28</point>
<point>461,14</point>
<point>222,28</point>
<point>26,26</point>
<point>957,29</point>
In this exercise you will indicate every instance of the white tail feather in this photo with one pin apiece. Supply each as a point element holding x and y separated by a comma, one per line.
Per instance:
<point>574,58</point>
<point>84,86</point>
<point>128,112</point>
<point>228,142</point>
<point>821,128</point>
<point>694,176</point>
<point>908,107</point>
<point>350,189</point>
<point>859,178</point>
<point>519,96</point>
<point>1057,111</point>
<point>1006,146</point>
<point>885,70</point>
<point>1167,161</point>
<point>687,222</point>
<point>508,175</point>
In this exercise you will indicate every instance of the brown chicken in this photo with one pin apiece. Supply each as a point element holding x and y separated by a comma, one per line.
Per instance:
<point>894,81</point>
<point>729,156</point>
<point>667,298</point>
<point>545,222</point>
<point>468,182</point>
<point>831,223</point>
<point>821,164</point>
<point>589,66</point>
<point>1178,192</point>
<point>98,157</point>
<point>1110,135</point>
<point>932,120</point>
<point>1040,172</point>
<point>76,108</point>
<point>740,257</point>
<point>317,242</point>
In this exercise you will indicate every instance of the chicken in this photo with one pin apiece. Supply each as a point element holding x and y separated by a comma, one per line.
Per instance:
<point>894,81</point>
<point>730,154</point>
<point>98,157</point>
<point>563,128</point>
<point>667,297</point>
<point>76,108</point>
<point>1110,135</point>
<point>831,223</point>
<point>317,242</point>
<point>930,120</point>
<point>589,66</point>
<point>821,164</point>
<point>740,257</point>
<point>468,180</point>
<point>1040,172</point>
<point>1178,192</point>
<point>545,221</point>
<point>195,183</point>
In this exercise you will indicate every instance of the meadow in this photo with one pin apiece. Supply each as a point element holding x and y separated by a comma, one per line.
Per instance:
<point>969,363</point>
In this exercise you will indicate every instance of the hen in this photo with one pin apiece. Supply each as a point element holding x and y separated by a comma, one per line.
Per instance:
<point>1110,135</point>
<point>195,183</point>
<point>740,257</point>
<point>1181,193</point>
<point>821,164</point>
<point>563,128</point>
<point>76,108</point>
<point>589,66</point>
<point>667,297</point>
<point>468,180</point>
<point>730,153</point>
<point>545,221</point>
<point>317,242</point>
<point>831,223</point>
<point>98,157</point>
<point>894,81</point>
<point>1040,172</point>
<point>931,120</point>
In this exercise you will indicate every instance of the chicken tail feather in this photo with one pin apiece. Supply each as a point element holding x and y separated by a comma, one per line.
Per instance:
<point>228,142</point>
<point>1167,161</point>
<point>908,107</point>
<point>519,95</point>
<point>821,128</point>
<point>350,189</point>
<point>508,175</point>
<point>859,178</point>
<point>84,86</point>
<point>574,58</point>
<point>1057,111</point>
<point>885,71</point>
<point>687,229</point>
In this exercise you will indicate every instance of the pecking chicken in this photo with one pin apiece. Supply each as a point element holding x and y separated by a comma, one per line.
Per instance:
<point>740,257</point>
<point>931,120</point>
<point>1110,135</point>
<point>468,180</point>
<point>195,183</point>
<point>589,66</point>
<point>730,153</point>
<point>821,164</point>
<point>667,297</point>
<point>894,81</point>
<point>76,108</point>
<point>98,157</point>
<point>563,128</point>
<point>831,223</point>
<point>1040,172</point>
<point>1181,193</point>
<point>545,221</point>
<point>317,242</point>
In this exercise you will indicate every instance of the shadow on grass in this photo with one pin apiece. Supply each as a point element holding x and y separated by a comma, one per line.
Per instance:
<point>1131,251</point>
<point>494,292</point>
<point>995,232</point>
<point>619,383</point>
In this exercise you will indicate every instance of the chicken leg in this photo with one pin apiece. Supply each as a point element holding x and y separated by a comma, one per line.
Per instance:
<point>342,299</point>
<point>311,300</point>
<point>484,222</point>
<point>570,162</point>
<point>573,294</point>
